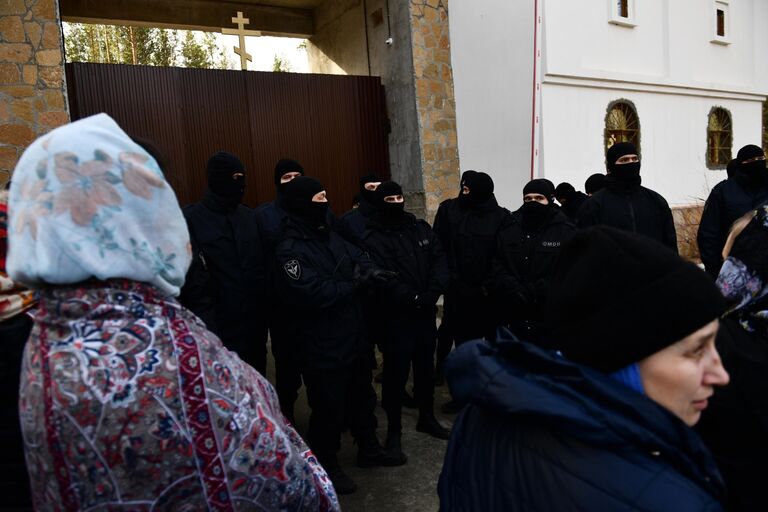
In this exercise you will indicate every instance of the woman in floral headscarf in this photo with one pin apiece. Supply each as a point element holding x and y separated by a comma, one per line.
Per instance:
<point>127,401</point>
<point>736,425</point>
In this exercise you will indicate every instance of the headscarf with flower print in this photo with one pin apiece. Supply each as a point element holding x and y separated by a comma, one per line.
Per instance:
<point>743,279</point>
<point>88,202</point>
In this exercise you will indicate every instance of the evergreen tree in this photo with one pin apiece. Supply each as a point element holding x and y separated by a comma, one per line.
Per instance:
<point>193,53</point>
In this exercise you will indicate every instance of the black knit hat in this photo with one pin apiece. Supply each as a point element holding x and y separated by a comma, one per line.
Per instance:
<point>539,186</point>
<point>300,191</point>
<point>749,151</point>
<point>594,183</point>
<point>286,165</point>
<point>616,298</point>
<point>564,190</point>
<point>480,187</point>
<point>388,188</point>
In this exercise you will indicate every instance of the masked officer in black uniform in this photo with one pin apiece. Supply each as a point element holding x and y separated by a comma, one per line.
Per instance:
<point>527,251</point>
<point>468,232</point>
<point>229,259</point>
<point>269,220</point>
<point>570,200</point>
<point>745,189</point>
<point>319,276</point>
<point>625,204</point>
<point>351,225</point>
<point>398,242</point>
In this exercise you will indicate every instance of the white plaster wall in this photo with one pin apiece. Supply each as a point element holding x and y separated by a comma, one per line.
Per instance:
<point>492,59</point>
<point>672,139</point>
<point>669,46</point>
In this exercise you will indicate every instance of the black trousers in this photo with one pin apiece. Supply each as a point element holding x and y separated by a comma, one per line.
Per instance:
<point>340,397</point>
<point>409,338</point>
<point>472,318</point>
<point>287,369</point>
<point>14,485</point>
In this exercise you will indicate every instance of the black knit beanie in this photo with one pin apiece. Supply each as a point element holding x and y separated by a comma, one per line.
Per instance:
<point>594,183</point>
<point>617,298</point>
<point>221,169</point>
<point>284,166</point>
<point>564,191</point>
<point>539,186</point>
<point>749,151</point>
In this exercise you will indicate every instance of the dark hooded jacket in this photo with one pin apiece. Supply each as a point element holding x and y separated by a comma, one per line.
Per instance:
<point>541,433</point>
<point>230,254</point>
<point>524,262</point>
<point>413,251</point>
<point>630,207</point>
<point>314,276</point>
<point>729,200</point>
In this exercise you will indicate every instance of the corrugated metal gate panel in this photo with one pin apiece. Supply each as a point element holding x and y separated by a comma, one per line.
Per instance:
<point>334,125</point>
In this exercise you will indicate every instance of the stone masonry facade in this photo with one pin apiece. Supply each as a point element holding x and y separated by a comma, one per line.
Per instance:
<point>435,103</point>
<point>32,90</point>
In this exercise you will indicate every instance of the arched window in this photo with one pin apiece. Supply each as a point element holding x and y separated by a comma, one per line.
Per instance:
<point>719,138</point>
<point>622,124</point>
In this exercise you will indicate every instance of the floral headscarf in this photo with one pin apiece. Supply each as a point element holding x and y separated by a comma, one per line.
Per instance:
<point>14,299</point>
<point>743,279</point>
<point>88,202</point>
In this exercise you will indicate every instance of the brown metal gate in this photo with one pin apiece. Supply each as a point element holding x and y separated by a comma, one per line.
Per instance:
<point>334,125</point>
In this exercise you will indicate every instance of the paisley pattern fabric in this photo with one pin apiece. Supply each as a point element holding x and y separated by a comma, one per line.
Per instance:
<point>743,278</point>
<point>129,403</point>
<point>86,201</point>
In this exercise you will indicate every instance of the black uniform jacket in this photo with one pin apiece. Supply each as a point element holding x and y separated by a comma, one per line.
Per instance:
<point>315,280</point>
<point>524,263</point>
<point>729,200</point>
<point>412,250</point>
<point>227,275</point>
<point>468,236</point>
<point>351,225</point>
<point>631,208</point>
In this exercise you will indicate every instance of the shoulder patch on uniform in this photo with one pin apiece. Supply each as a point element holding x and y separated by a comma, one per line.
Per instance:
<point>293,269</point>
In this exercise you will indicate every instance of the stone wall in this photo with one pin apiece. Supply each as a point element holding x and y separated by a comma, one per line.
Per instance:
<point>435,103</point>
<point>32,91</point>
<point>687,220</point>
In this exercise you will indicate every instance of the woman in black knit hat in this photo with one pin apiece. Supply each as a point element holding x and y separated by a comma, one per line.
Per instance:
<point>604,422</point>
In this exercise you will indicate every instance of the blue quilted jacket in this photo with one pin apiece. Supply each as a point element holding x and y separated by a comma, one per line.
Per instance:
<point>543,434</point>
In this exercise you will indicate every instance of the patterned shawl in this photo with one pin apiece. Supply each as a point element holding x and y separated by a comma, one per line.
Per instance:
<point>128,403</point>
<point>14,299</point>
<point>743,279</point>
<point>86,201</point>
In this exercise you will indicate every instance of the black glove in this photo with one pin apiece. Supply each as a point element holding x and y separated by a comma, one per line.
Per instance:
<point>382,276</point>
<point>368,277</point>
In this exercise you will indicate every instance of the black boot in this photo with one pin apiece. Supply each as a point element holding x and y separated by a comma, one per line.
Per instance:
<point>429,425</point>
<point>369,453</point>
<point>393,451</point>
<point>341,481</point>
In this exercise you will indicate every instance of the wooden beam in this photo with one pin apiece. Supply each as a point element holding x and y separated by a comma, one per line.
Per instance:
<point>207,15</point>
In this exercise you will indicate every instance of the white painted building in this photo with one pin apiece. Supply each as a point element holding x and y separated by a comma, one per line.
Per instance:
<point>534,81</point>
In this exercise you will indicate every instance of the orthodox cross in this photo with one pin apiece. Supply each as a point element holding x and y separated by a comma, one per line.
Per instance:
<point>241,31</point>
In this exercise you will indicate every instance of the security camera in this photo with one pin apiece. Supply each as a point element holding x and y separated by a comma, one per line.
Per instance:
<point>389,41</point>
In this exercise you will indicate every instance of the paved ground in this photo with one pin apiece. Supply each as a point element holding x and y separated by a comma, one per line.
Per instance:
<point>412,487</point>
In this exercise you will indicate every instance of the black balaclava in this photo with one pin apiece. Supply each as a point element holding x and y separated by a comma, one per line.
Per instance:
<point>628,173</point>
<point>594,183</point>
<point>732,167</point>
<point>480,187</point>
<point>369,195</point>
<point>221,170</point>
<point>389,213</point>
<point>298,202</point>
<point>284,166</point>
<point>564,191</point>
<point>535,214</point>
<point>463,180</point>
<point>755,171</point>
